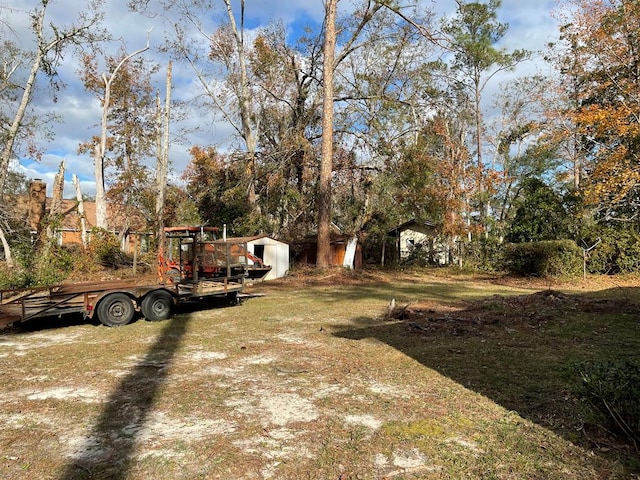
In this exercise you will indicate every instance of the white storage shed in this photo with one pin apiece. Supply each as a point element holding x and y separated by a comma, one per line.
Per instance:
<point>272,252</point>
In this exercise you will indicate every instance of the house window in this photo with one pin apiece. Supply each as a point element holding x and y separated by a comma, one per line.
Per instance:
<point>411,244</point>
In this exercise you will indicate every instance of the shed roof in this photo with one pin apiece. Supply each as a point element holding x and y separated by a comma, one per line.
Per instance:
<point>413,224</point>
<point>254,238</point>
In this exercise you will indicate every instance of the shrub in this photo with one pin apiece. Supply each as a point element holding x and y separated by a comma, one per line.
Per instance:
<point>48,265</point>
<point>15,278</point>
<point>485,254</point>
<point>420,256</point>
<point>553,258</point>
<point>618,252</point>
<point>613,391</point>
<point>54,264</point>
<point>540,214</point>
<point>103,248</point>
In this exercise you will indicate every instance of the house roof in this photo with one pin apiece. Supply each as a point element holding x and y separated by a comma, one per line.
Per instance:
<point>118,217</point>
<point>413,224</point>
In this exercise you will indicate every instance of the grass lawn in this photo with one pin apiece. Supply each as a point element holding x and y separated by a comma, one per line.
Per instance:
<point>312,379</point>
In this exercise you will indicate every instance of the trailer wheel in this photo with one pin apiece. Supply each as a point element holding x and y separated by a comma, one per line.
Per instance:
<point>115,310</point>
<point>232,298</point>
<point>157,305</point>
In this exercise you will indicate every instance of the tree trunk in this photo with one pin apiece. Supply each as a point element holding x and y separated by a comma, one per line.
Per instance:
<point>101,199</point>
<point>8,258</point>
<point>323,256</point>
<point>163,158</point>
<point>244,102</point>
<point>484,207</point>
<point>101,148</point>
<point>83,219</point>
<point>55,210</point>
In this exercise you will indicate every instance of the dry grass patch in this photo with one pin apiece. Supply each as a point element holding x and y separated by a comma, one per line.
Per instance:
<point>310,381</point>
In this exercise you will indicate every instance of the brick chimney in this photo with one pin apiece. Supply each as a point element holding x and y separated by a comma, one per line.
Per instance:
<point>37,204</point>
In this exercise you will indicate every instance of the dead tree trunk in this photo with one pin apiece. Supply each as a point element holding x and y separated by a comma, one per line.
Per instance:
<point>55,210</point>
<point>100,151</point>
<point>8,258</point>
<point>83,219</point>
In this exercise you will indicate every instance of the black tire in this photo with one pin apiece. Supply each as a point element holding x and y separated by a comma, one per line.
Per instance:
<point>157,305</point>
<point>115,310</point>
<point>232,298</point>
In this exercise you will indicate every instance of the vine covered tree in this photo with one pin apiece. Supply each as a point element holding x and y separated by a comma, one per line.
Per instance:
<point>539,214</point>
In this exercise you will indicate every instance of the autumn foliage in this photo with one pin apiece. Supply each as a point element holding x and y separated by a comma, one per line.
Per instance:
<point>603,61</point>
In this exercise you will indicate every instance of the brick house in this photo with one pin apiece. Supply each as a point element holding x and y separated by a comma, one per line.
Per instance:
<point>128,224</point>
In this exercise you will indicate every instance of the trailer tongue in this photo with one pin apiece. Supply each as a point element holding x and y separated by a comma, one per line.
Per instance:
<point>192,265</point>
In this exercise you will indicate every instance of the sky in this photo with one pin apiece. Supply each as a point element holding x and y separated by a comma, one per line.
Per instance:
<point>531,27</point>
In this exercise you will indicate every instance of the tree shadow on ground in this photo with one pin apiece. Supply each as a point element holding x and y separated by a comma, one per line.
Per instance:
<point>47,323</point>
<point>518,351</point>
<point>110,445</point>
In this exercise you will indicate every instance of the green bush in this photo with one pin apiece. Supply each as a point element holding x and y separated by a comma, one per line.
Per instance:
<point>612,389</point>
<point>421,256</point>
<point>15,278</point>
<point>618,252</point>
<point>553,258</point>
<point>539,214</point>
<point>54,264</point>
<point>48,265</point>
<point>484,254</point>
<point>103,248</point>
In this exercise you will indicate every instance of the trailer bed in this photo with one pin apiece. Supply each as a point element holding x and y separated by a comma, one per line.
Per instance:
<point>193,267</point>
<point>19,305</point>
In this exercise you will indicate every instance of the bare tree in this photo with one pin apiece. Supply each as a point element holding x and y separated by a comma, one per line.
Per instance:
<point>243,92</point>
<point>221,67</point>
<point>83,219</point>
<point>46,56</point>
<point>100,149</point>
<point>8,257</point>
<point>50,43</point>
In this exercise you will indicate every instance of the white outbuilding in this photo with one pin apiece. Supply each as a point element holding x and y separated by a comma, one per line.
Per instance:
<point>272,252</point>
<point>423,235</point>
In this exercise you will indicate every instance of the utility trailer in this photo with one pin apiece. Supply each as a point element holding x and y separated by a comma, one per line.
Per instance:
<point>192,265</point>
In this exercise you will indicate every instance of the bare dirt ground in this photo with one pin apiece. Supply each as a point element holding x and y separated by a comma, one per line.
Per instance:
<point>303,381</point>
